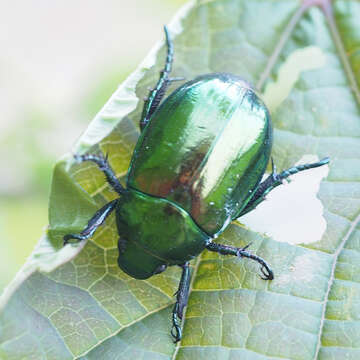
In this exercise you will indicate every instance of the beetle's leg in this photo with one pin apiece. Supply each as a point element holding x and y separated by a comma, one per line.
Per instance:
<point>156,94</point>
<point>103,164</point>
<point>241,252</point>
<point>97,220</point>
<point>274,180</point>
<point>182,296</point>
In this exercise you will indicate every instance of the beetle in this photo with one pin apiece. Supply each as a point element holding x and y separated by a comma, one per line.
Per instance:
<point>198,165</point>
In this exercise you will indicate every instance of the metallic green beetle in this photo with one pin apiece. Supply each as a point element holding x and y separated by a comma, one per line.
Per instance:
<point>197,166</point>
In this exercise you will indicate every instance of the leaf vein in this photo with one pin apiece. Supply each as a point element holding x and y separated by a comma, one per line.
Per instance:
<point>331,281</point>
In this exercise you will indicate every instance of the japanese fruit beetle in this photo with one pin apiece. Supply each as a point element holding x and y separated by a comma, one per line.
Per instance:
<point>197,165</point>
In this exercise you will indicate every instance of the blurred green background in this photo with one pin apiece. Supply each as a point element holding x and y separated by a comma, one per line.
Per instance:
<point>60,63</point>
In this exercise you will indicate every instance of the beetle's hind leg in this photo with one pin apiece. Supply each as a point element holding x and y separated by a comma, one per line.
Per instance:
<point>241,252</point>
<point>156,94</point>
<point>96,221</point>
<point>274,180</point>
<point>104,166</point>
<point>182,296</point>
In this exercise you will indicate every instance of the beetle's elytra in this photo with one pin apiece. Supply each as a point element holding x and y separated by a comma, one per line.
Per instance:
<point>197,165</point>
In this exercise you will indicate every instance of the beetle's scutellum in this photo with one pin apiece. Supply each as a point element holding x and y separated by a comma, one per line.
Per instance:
<point>197,165</point>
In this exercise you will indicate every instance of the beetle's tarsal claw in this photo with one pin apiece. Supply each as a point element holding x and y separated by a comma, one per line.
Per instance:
<point>267,272</point>
<point>176,329</point>
<point>265,268</point>
<point>176,333</point>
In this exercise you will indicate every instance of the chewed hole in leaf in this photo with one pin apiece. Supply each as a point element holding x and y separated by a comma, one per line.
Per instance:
<point>308,58</point>
<point>292,212</point>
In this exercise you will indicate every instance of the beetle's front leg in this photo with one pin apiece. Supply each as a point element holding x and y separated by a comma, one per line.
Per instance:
<point>241,252</point>
<point>97,220</point>
<point>182,296</point>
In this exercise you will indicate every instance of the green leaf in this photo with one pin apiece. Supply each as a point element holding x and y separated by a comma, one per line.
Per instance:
<point>74,303</point>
